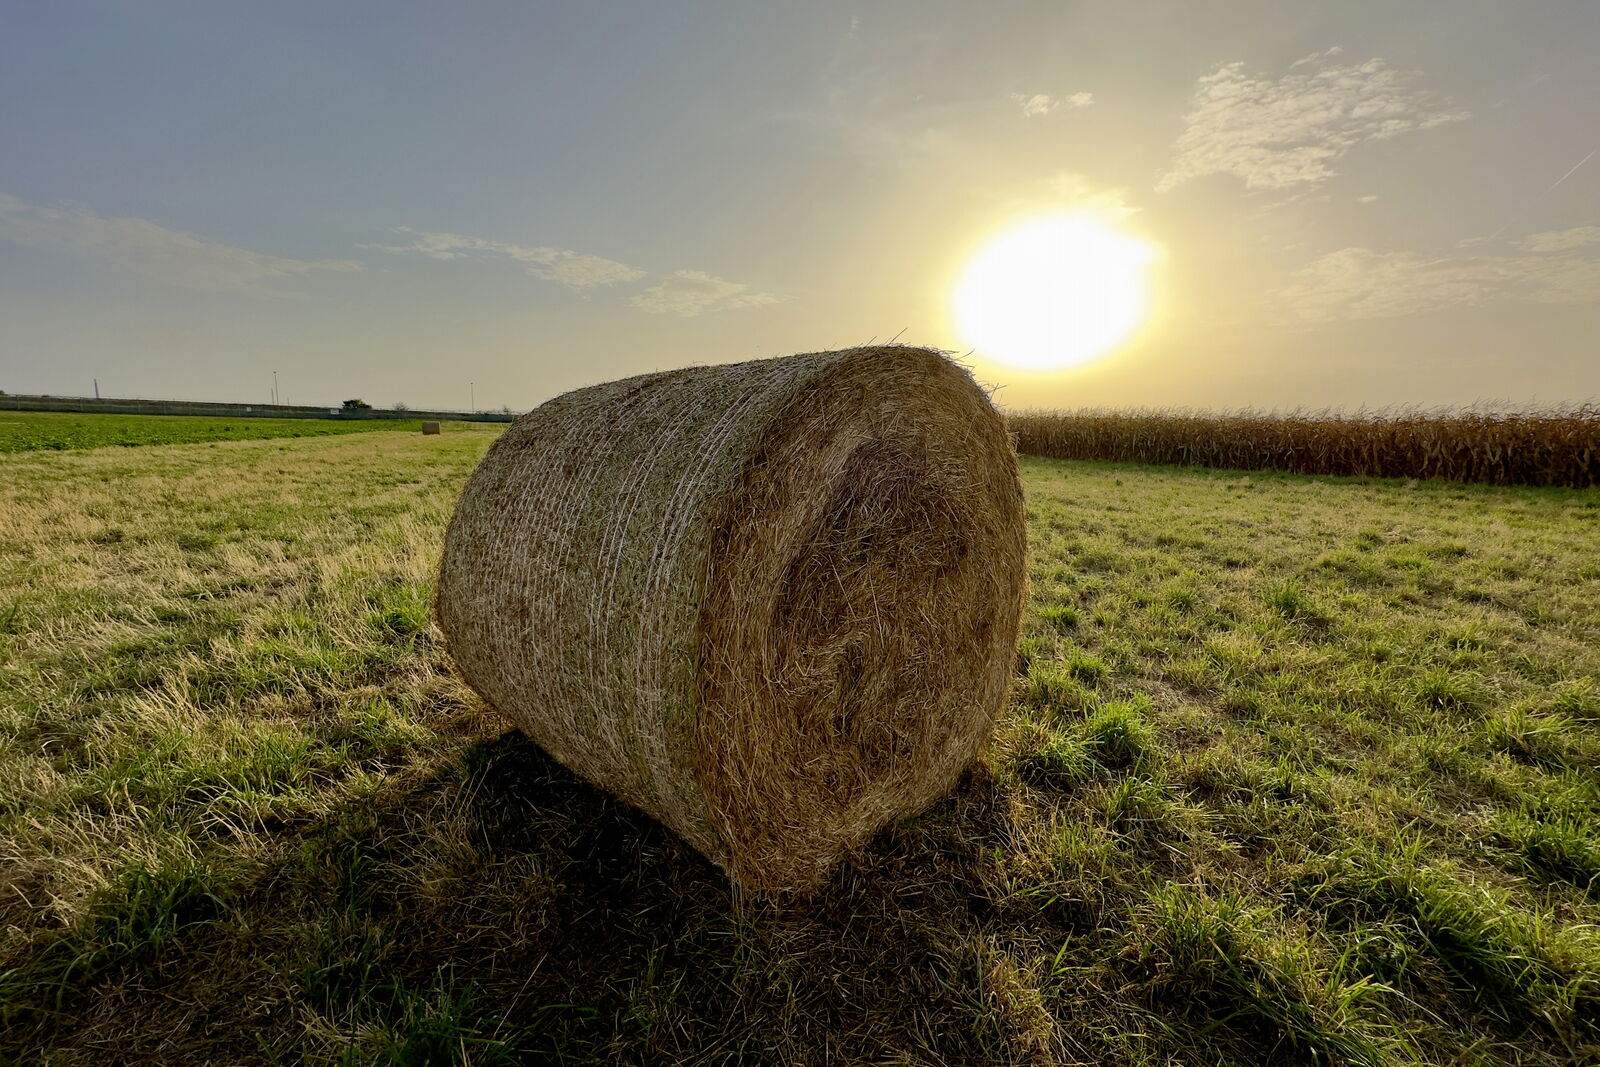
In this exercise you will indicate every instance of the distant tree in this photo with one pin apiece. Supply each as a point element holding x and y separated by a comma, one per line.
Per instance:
<point>400,405</point>
<point>357,405</point>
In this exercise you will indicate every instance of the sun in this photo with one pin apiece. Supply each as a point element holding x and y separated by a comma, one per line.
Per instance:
<point>1054,292</point>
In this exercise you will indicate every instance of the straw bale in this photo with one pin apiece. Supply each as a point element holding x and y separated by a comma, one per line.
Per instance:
<point>772,604</point>
<point>430,427</point>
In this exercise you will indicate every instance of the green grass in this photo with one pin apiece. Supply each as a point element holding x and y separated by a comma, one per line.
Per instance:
<point>27,431</point>
<point>1298,770</point>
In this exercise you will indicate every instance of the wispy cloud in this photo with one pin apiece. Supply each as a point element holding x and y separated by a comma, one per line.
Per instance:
<point>1561,240</point>
<point>692,292</point>
<point>684,293</point>
<point>1080,192</point>
<point>1280,133</point>
<point>143,248</point>
<point>577,270</point>
<point>1038,105</point>
<point>1360,283</point>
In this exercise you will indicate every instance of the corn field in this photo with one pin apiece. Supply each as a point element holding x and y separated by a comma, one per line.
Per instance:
<point>1559,447</point>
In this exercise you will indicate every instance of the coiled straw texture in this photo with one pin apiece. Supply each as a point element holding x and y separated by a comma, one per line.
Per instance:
<point>772,604</point>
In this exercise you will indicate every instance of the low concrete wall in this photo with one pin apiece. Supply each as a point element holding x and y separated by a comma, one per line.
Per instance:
<point>112,406</point>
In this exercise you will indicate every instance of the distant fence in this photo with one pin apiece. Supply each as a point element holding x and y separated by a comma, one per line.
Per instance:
<point>112,406</point>
<point>1558,448</point>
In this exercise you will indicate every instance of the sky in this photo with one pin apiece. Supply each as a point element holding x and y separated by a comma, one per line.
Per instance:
<point>1354,204</point>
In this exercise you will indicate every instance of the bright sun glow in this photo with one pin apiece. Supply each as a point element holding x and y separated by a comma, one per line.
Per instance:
<point>1053,292</point>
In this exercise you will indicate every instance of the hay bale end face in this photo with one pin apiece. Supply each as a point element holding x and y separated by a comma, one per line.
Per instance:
<point>430,427</point>
<point>772,604</point>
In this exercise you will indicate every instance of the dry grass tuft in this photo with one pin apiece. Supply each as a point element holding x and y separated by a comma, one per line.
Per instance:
<point>772,604</point>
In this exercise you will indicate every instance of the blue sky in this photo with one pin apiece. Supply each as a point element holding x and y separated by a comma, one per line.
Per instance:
<point>1363,203</point>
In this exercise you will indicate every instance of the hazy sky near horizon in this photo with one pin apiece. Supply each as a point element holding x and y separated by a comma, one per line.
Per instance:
<point>1357,203</point>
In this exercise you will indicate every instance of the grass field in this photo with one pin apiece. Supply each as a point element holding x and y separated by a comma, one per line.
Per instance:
<point>27,431</point>
<point>1298,770</point>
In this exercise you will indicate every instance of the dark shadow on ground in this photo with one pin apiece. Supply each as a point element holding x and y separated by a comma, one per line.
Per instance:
<point>500,910</point>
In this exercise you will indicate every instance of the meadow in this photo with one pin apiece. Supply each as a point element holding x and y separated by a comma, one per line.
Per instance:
<point>27,431</point>
<point>1298,770</point>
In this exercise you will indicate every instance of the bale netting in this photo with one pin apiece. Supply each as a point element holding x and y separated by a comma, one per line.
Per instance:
<point>772,604</point>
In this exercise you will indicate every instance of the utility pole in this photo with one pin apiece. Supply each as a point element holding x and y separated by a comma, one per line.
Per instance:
<point>274,387</point>
<point>97,388</point>
<point>472,388</point>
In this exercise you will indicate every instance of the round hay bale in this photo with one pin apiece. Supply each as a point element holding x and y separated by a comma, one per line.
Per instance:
<point>772,604</point>
<point>430,427</point>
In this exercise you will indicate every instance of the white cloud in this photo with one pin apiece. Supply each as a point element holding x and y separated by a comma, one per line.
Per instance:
<point>1370,198</point>
<point>680,292</point>
<point>1561,240</point>
<point>1033,106</point>
<point>1037,105</point>
<point>1360,283</point>
<point>691,292</point>
<point>1078,191</point>
<point>141,247</point>
<point>1293,130</point>
<point>577,270</point>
